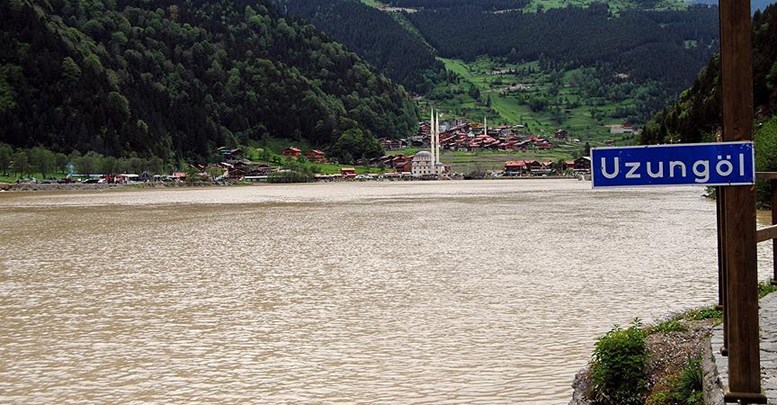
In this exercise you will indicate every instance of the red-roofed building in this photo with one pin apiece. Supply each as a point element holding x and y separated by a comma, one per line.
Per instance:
<point>348,172</point>
<point>292,152</point>
<point>316,156</point>
<point>516,168</point>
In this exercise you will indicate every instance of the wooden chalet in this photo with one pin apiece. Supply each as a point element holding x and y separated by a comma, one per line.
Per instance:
<point>292,152</point>
<point>561,134</point>
<point>316,156</point>
<point>516,168</point>
<point>583,164</point>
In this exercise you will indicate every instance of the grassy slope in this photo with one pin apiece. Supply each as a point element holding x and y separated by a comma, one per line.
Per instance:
<point>616,6</point>
<point>512,111</point>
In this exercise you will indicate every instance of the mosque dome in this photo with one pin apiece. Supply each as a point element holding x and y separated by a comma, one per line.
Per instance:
<point>422,156</point>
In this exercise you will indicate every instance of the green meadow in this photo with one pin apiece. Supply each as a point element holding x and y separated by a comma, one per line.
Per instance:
<point>506,93</point>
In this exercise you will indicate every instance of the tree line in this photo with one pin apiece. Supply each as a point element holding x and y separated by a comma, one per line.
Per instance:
<point>178,79</point>
<point>670,46</point>
<point>378,37</point>
<point>696,114</point>
<point>39,161</point>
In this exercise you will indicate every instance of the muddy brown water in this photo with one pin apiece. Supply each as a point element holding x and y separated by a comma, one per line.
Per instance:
<point>441,292</point>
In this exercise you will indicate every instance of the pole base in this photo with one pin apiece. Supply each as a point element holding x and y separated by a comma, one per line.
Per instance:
<point>718,307</point>
<point>744,397</point>
<point>723,351</point>
<point>772,281</point>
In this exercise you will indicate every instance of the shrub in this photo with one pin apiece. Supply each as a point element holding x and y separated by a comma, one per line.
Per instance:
<point>686,388</point>
<point>689,386</point>
<point>618,367</point>
<point>765,288</point>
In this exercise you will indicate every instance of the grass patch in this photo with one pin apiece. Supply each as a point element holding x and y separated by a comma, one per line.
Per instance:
<point>765,288</point>
<point>700,314</point>
<point>685,388</point>
<point>668,326</point>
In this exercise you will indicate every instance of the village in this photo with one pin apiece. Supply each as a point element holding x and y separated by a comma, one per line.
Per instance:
<point>413,158</point>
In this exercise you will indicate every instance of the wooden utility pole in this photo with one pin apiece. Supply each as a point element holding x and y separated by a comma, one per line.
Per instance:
<point>720,205</point>
<point>741,309</point>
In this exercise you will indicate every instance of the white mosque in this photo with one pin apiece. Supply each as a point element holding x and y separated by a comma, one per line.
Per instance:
<point>427,164</point>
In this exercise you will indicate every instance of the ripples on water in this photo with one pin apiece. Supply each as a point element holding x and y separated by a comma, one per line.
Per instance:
<point>441,292</point>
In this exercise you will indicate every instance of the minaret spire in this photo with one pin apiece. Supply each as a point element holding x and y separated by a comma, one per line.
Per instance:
<point>432,130</point>
<point>437,142</point>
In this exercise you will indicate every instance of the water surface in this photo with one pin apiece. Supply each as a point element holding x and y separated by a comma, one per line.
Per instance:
<point>433,292</point>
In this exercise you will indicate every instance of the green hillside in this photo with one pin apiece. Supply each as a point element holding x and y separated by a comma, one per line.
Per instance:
<point>386,40</point>
<point>178,79</point>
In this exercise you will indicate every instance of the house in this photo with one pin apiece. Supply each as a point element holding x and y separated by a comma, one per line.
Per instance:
<point>561,134</point>
<point>316,156</point>
<point>515,168</point>
<point>125,178</point>
<point>622,129</point>
<point>402,164</point>
<point>609,142</point>
<point>177,176</point>
<point>544,145</point>
<point>292,152</point>
<point>583,164</point>
<point>348,172</point>
<point>230,154</point>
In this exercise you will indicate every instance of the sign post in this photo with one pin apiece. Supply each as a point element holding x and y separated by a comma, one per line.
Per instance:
<point>731,167</point>
<point>741,309</point>
<point>708,164</point>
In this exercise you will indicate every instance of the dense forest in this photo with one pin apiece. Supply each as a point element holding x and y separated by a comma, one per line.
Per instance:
<point>376,36</point>
<point>696,115</point>
<point>670,46</point>
<point>481,5</point>
<point>178,79</point>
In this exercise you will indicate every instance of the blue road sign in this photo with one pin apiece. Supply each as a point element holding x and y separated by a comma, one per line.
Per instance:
<point>709,164</point>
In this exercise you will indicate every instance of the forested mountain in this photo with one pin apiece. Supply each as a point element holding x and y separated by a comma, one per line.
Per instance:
<point>539,5</point>
<point>481,5</point>
<point>697,113</point>
<point>179,78</point>
<point>670,46</point>
<point>375,35</point>
<point>755,5</point>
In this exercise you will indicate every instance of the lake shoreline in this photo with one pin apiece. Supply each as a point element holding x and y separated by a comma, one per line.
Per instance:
<point>56,187</point>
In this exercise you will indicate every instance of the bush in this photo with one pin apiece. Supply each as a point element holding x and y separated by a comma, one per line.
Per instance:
<point>765,158</point>
<point>618,367</point>
<point>765,288</point>
<point>687,387</point>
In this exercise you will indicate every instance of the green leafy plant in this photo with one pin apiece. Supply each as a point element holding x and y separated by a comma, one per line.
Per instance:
<point>618,367</point>
<point>686,388</point>
<point>699,314</point>
<point>765,288</point>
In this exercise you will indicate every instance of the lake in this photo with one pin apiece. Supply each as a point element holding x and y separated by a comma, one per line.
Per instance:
<point>459,292</point>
